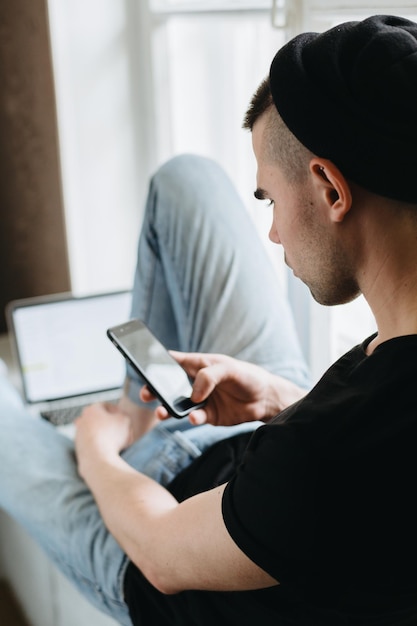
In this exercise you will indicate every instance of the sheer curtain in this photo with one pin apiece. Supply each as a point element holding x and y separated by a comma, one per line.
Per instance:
<point>206,68</point>
<point>214,54</point>
<point>139,81</point>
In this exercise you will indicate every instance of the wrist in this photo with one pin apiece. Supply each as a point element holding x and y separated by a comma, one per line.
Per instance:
<point>94,461</point>
<point>284,393</point>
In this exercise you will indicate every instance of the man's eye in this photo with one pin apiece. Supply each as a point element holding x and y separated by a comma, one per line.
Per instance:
<point>271,203</point>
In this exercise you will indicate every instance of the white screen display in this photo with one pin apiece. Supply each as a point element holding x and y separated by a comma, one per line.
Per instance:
<point>162,371</point>
<point>63,347</point>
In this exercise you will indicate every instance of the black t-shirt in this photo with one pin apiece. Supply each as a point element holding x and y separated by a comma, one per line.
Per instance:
<point>323,500</point>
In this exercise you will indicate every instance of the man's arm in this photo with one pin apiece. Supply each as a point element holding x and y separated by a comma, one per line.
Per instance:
<point>176,546</point>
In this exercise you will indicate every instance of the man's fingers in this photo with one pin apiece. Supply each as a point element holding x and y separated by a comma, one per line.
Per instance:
<point>198,417</point>
<point>207,380</point>
<point>145,394</point>
<point>192,362</point>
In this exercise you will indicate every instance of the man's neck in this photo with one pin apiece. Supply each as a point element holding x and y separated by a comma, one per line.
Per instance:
<point>394,305</point>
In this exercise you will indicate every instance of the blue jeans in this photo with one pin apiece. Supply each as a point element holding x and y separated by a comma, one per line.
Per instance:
<point>203,283</point>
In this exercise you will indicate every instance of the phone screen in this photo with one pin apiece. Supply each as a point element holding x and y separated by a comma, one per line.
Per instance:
<point>163,375</point>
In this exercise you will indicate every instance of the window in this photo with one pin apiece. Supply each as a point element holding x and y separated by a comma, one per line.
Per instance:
<point>142,80</point>
<point>209,57</point>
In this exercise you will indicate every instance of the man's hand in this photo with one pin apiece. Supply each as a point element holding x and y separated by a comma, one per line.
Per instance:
<point>237,391</point>
<point>101,429</point>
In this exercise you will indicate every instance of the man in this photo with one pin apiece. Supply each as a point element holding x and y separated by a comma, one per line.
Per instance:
<point>198,289</point>
<point>316,524</point>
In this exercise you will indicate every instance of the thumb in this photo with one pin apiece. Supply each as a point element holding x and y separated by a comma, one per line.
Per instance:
<point>207,379</point>
<point>203,385</point>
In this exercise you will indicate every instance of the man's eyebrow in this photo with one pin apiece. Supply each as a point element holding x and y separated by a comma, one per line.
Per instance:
<point>260,194</point>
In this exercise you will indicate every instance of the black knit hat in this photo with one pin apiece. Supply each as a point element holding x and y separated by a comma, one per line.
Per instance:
<point>350,95</point>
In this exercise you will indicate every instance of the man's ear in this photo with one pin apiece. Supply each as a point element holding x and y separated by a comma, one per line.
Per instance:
<point>332,186</point>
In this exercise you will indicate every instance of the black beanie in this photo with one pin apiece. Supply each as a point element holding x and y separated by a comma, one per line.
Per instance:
<point>350,95</point>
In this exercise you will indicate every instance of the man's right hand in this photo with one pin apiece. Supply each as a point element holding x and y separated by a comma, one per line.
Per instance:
<point>237,391</point>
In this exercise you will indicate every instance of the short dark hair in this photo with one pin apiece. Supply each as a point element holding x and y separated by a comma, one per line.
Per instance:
<point>282,146</point>
<point>260,102</point>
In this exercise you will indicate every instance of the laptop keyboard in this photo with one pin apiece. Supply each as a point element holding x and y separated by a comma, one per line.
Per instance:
<point>63,414</point>
<point>59,417</point>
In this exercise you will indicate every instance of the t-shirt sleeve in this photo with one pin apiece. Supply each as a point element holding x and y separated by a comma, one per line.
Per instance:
<point>269,505</point>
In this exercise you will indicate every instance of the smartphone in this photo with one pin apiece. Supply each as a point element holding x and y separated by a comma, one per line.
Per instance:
<point>166,379</point>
